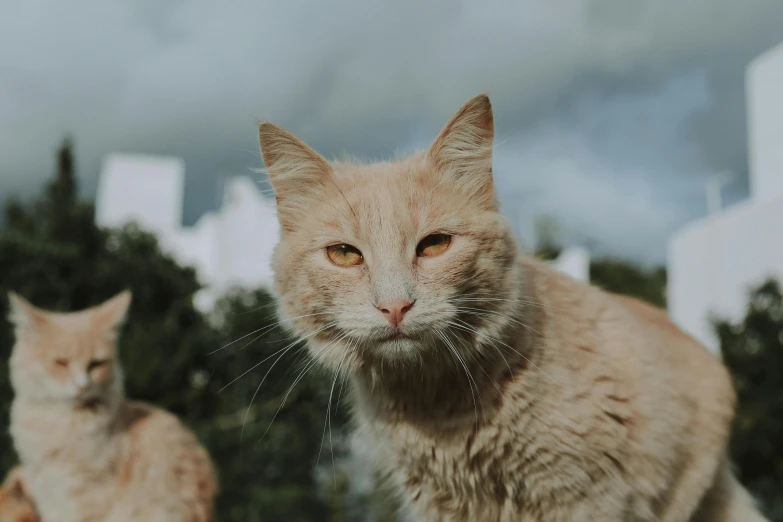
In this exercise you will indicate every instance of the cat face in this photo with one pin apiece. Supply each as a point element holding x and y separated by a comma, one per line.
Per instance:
<point>66,356</point>
<point>380,260</point>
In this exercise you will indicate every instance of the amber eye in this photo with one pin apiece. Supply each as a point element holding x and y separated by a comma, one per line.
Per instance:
<point>344,255</point>
<point>433,245</point>
<point>61,362</point>
<point>96,363</point>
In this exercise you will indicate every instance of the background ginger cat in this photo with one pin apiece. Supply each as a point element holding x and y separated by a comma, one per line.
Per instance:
<point>88,453</point>
<point>494,389</point>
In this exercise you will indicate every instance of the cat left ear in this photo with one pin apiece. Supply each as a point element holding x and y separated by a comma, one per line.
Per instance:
<point>22,314</point>
<point>112,313</point>
<point>296,172</point>
<point>463,150</point>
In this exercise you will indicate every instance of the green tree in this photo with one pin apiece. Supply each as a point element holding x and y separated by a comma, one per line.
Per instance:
<point>548,247</point>
<point>625,277</point>
<point>276,429</point>
<point>752,348</point>
<point>52,253</point>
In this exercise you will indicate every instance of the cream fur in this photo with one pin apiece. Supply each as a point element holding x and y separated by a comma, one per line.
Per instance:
<point>517,394</point>
<point>89,454</point>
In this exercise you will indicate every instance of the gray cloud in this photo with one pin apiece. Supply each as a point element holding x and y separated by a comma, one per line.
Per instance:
<point>635,101</point>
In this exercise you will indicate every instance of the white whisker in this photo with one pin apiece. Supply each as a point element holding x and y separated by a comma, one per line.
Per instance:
<point>468,328</point>
<point>471,382</point>
<point>284,351</point>
<point>301,375</point>
<point>264,329</point>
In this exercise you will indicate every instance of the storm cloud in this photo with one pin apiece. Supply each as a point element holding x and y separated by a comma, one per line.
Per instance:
<point>610,114</point>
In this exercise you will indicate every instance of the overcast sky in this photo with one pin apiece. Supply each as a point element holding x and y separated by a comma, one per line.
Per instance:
<point>610,114</point>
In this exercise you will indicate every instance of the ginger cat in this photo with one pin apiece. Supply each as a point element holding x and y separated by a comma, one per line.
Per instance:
<point>15,502</point>
<point>494,388</point>
<point>89,454</point>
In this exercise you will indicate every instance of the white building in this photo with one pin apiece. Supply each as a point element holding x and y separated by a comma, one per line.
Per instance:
<point>713,262</point>
<point>575,262</point>
<point>230,247</point>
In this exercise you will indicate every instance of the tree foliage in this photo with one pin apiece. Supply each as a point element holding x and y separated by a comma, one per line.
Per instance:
<point>52,253</point>
<point>624,277</point>
<point>753,350</point>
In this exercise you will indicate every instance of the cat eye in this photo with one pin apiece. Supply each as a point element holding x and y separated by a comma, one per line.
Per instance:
<point>97,363</point>
<point>61,362</point>
<point>344,255</point>
<point>433,245</point>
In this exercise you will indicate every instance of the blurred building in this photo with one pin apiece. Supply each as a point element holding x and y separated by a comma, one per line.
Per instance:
<point>713,262</point>
<point>229,247</point>
<point>575,262</point>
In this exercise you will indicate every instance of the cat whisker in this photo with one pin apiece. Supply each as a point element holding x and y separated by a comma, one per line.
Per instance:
<point>474,298</point>
<point>262,361</point>
<point>266,328</point>
<point>313,362</point>
<point>326,326</point>
<point>469,351</point>
<point>471,381</point>
<point>329,420</point>
<point>298,340</point>
<point>479,312</point>
<point>485,313</point>
<point>260,384</point>
<point>470,329</point>
<point>262,307</point>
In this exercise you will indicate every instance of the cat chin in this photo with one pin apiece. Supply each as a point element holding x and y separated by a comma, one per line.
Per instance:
<point>398,349</point>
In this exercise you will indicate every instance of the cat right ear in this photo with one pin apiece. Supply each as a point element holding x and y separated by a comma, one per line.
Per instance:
<point>22,314</point>
<point>295,170</point>
<point>463,150</point>
<point>113,312</point>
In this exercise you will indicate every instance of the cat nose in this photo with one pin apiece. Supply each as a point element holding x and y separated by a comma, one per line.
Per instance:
<point>81,382</point>
<point>395,310</point>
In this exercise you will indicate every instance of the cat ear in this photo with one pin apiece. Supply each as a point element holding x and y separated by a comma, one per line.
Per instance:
<point>463,150</point>
<point>295,170</point>
<point>112,312</point>
<point>22,314</point>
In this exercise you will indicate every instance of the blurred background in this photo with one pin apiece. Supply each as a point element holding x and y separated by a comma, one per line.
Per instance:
<point>639,145</point>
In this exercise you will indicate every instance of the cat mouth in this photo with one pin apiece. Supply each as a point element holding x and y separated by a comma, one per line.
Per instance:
<point>400,335</point>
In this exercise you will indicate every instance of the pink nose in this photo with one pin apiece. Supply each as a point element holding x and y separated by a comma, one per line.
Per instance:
<point>396,310</point>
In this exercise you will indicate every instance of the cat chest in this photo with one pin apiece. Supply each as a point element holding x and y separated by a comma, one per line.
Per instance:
<point>65,492</point>
<point>493,471</point>
<point>474,468</point>
<point>71,477</point>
